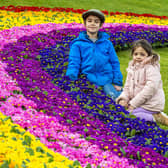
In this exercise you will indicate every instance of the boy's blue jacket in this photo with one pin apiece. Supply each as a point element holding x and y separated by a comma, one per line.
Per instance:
<point>97,60</point>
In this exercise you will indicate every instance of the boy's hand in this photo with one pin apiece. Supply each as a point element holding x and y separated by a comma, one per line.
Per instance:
<point>118,88</point>
<point>72,77</point>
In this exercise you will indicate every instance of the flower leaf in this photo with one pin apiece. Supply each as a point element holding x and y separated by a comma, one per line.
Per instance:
<point>138,155</point>
<point>133,132</point>
<point>123,151</point>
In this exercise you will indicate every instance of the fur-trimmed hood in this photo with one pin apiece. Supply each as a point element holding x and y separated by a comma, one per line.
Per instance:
<point>149,60</point>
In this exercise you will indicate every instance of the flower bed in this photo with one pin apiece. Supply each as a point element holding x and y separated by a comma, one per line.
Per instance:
<point>75,118</point>
<point>22,149</point>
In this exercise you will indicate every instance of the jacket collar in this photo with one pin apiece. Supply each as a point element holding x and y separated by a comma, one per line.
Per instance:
<point>148,60</point>
<point>101,36</point>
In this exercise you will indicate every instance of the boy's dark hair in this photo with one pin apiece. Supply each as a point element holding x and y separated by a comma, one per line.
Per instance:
<point>94,12</point>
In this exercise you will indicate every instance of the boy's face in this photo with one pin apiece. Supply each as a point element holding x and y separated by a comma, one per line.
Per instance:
<point>92,24</point>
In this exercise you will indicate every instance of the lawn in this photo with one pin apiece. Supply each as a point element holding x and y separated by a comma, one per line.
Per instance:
<point>156,7</point>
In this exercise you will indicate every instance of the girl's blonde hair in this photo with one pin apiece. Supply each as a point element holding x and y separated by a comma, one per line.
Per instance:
<point>147,47</point>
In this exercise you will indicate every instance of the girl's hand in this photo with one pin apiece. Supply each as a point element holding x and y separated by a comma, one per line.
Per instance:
<point>122,102</point>
<point>130,108</point>
<point>118,88</point>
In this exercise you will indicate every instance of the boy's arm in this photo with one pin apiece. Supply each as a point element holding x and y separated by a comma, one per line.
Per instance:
<point>117,75</point>
<point>74,62</point>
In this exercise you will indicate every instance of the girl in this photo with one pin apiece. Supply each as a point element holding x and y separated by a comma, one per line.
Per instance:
<point>143,94</point>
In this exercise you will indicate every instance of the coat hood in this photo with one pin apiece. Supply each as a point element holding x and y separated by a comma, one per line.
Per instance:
<point>148,60</point>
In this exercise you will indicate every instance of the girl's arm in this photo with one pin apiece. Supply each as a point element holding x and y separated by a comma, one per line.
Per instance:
<point>153,79</point>
<point>124,97</point>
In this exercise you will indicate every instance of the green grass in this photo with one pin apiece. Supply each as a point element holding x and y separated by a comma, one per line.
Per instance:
<point>155,7</point>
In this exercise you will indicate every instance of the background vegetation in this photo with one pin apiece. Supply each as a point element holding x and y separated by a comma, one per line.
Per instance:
<point>157,7</point>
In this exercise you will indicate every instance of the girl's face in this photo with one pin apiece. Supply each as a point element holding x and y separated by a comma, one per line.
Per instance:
<point>139,54</point>
<point>92,24</point>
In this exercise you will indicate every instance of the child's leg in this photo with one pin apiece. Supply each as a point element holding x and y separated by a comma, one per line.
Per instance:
<point>144,114</point>
<point>161,118</point>
<point>111,91</point>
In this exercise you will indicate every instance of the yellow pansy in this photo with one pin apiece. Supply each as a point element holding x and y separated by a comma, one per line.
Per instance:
<point>21,147</point>
<point>10,19</point>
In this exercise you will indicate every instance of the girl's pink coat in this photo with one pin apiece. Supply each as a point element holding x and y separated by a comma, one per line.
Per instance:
<point>143,87</point>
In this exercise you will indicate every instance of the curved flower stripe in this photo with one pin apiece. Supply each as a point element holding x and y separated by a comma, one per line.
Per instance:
<point>45,9</point>
<point>11,19</point>
<point>37,86</point>
<point>20,148</point>
<point>7,85</point>
<point>53,134</point>
<point>122,29</point>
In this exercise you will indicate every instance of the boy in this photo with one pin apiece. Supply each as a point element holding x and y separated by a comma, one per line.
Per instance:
<point>92,54</point>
